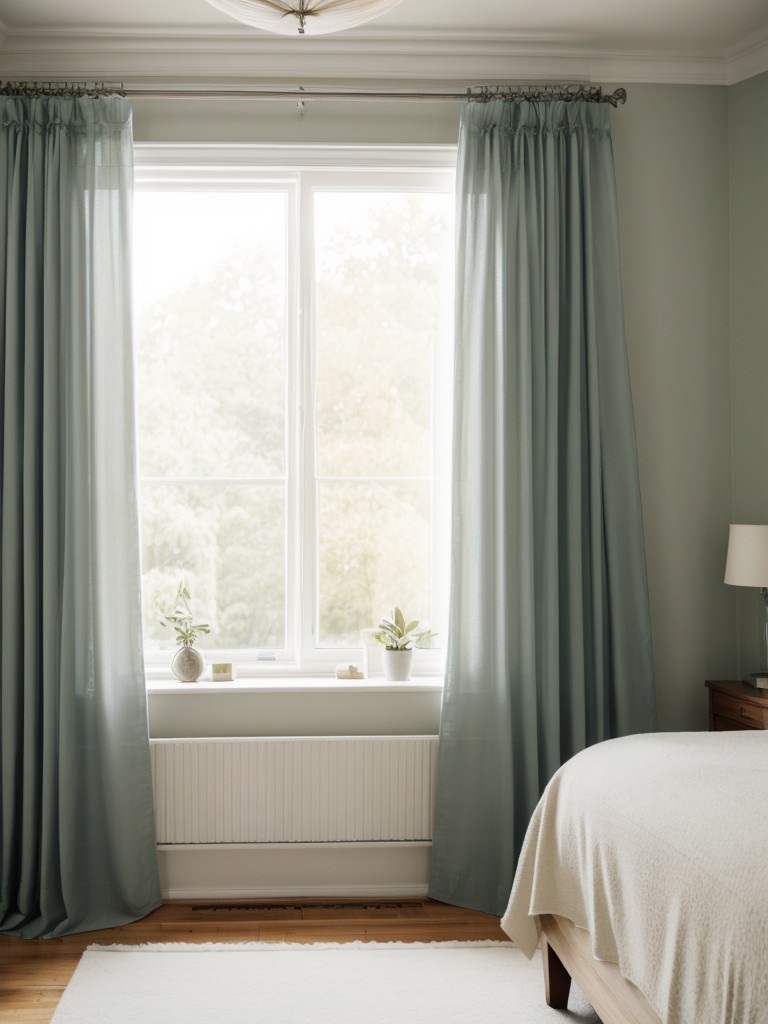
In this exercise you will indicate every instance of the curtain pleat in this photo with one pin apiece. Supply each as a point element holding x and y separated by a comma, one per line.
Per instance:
<point>77,843</point>
<point>550,645</point>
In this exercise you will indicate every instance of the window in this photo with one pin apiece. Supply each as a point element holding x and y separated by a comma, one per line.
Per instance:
<point>293,364</point>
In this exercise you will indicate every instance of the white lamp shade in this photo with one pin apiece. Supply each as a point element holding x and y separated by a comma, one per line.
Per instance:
<point>316,17</point>
<point>747,561</point>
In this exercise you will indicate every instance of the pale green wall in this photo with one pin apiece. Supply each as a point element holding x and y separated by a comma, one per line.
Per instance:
<point>672,172</point>
<point>278,121</point>
<point>748,123</point>
<point>671,148</point>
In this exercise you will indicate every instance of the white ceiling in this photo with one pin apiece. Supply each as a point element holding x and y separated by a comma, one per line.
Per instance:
<point>679,26</point>
<point>701,38</point>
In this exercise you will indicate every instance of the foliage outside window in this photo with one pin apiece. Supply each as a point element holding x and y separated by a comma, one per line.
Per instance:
<point>292,337</point>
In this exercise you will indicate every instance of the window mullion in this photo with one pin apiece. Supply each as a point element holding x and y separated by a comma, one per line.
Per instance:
<point>293,516</point>
<point>307,585</point>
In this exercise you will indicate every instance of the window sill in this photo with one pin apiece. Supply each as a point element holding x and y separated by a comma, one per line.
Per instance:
<point>297,684</point>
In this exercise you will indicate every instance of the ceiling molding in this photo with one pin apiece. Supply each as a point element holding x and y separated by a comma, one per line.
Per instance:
<point>223,56</point>
<point>748,58</point>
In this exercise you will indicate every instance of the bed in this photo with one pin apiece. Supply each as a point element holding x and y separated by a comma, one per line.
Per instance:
<point>644,876</point>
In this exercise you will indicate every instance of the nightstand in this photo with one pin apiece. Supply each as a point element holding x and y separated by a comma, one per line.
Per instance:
<point>736,705</point>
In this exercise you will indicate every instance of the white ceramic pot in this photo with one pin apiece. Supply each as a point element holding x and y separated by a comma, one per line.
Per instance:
<point>188,664</point>
<point>397,664</point>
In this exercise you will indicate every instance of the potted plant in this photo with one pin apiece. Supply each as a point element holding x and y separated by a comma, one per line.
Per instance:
<point>187,664</point>
<point>399,638</point>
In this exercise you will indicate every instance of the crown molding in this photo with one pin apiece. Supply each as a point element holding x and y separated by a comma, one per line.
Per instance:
<point>246,54</point>
<point>225,57</point>
<point>748,57</point>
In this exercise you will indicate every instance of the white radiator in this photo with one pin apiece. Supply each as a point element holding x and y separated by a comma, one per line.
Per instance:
<point>294,790</point>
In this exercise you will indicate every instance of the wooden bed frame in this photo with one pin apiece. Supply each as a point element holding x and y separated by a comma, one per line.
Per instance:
<point>567,954</point>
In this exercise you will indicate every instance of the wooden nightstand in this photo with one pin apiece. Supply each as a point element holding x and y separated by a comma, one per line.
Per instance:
<point>736,705</point>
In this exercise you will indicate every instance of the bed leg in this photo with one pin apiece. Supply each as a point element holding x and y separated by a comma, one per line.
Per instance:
<point>557,981</point>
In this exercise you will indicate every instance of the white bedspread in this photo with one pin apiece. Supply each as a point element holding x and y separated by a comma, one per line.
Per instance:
<point>658,845</point>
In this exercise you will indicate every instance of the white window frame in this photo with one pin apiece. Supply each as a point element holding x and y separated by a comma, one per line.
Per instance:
<point>301,171</point>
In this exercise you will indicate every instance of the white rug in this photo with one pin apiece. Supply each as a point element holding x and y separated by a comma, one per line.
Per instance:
<point>282,983</point>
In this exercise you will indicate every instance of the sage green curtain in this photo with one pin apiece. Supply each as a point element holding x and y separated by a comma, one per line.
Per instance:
<point>77,844</point>
<point>550,646</point>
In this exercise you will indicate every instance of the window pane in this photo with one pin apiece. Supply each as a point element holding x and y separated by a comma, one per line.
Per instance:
<point>210,333</point>
<point>374,554</point>
<point>382,271</point>
<point>228,543</point>
<point>211,339</point>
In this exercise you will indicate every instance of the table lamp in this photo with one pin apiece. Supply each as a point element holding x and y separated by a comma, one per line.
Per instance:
<point>747,566</point>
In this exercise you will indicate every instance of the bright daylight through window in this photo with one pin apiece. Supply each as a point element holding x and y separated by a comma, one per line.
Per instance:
<point>293,364</point>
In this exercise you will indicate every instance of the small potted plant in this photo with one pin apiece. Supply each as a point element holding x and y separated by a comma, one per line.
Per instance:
<point>399,638</point>
<point>187,664</point>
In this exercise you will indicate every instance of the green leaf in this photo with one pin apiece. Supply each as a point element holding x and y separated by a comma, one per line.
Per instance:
<point>424,639</point>
<point>411,626</point>
<point>399,619</point>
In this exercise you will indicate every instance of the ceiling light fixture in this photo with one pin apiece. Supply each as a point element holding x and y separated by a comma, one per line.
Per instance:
<point>304,17</point>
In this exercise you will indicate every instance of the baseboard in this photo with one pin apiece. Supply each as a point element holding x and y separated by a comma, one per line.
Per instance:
<point>277,870</point>
<point>335,892</point>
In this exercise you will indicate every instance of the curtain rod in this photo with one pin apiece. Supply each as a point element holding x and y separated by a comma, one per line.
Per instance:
<point>567,92</point>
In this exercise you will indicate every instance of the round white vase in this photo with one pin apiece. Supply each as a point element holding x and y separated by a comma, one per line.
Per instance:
<point>397,664</point>
<point>188,664</point>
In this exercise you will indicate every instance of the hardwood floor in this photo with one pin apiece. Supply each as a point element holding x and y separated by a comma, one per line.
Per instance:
<point>34,972</point>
